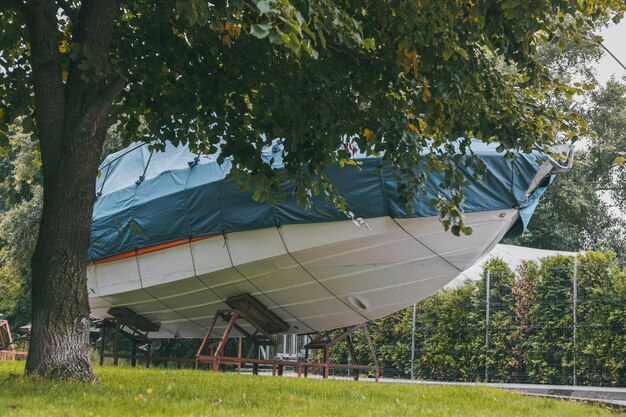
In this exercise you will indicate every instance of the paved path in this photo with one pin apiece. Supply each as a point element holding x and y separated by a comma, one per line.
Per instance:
<point>615,397</point>
<point>612,396</point>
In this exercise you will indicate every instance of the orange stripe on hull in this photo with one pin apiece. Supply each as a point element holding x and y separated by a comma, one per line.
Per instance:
<point>150,249</point>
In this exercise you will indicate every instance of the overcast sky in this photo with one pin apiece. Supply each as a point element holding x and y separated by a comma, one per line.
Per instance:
<point>615,40</point>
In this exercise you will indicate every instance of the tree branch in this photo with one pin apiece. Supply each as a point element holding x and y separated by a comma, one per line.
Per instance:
<point>99,108</point>
<point>112,90</point>
<point>89,96</point>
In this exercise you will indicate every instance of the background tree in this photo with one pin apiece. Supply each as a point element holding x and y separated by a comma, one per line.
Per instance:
<point>322,77</point>
<point>501,280</point>
<point>550,359</point>
<point>526,274</point>
<point>581,211</point>
<point>448,341</point>
<point>601,307</point>
<point>20,209</point>
<point>20,212</point>
<point>573,216</point>
<point>608,154</point>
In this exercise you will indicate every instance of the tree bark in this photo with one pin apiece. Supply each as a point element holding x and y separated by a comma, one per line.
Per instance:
<point>72,120</point>
<point>60,306</point>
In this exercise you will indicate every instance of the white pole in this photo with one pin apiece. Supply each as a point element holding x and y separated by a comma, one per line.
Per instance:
<point>487,312</point>
<point>413,344</point>
<point>574,313</point>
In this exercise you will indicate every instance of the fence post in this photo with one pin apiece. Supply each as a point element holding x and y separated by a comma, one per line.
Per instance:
<point>413,344</point>
<point>488,290</point>
<point>575,319</point>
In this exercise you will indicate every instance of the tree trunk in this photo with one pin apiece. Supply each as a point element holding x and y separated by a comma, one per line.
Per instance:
<point>60,307</point>
<point>72,119</point>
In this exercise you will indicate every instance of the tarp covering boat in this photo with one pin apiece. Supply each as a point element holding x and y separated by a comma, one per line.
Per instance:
<point>147,198</point>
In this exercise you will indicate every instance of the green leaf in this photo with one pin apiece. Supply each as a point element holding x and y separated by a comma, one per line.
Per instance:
<point>265,26</point>
<point>276,37</point>
<point>263,6</point>
<point>293,43</point>
<point>322,38</point>
<point>619,160</point>
<point>4,153</point>
<point>259,31</point>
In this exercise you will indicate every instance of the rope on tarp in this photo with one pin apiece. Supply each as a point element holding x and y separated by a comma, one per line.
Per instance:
<point>124,154</point>
<point>99,193</point>
<point>108,165</point>
<point>143,175</point>
<point>195,161</point>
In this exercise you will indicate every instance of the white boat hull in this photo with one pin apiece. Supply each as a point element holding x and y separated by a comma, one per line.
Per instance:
<point>313,276</point>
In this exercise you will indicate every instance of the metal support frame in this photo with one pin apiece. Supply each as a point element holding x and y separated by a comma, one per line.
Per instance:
<point>125,329</point>
<point>215,357</point>
<point>7,346</point>
<point>137,336</point>
<point>212,352</point>
<point>325,343</point>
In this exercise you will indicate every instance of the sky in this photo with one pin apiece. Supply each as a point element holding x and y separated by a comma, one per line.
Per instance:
<point>615,40</point>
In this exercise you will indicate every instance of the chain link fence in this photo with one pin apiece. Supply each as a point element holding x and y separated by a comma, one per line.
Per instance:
<point>559,321</point>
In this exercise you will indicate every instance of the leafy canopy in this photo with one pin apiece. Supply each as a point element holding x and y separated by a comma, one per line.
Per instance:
<point>403,78</point>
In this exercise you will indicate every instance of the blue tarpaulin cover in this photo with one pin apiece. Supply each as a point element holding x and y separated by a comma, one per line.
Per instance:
<point>177,199</point>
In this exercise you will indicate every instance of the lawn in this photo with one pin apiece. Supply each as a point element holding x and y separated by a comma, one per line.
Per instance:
<point>157,392</point>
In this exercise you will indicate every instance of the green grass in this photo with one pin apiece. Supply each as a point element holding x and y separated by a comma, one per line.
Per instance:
<point>155,392</point>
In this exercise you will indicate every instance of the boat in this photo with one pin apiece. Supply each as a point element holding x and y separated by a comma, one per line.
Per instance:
<point>172,240</point>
